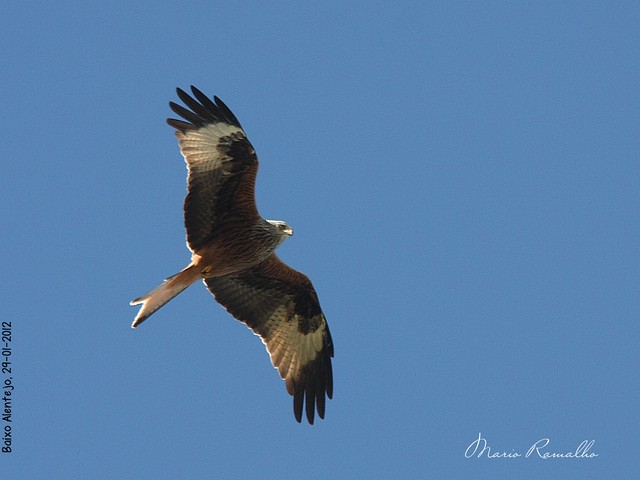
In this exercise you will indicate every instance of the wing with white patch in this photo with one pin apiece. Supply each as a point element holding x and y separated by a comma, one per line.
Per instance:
<point>281,306</point>
<point>222,166</point>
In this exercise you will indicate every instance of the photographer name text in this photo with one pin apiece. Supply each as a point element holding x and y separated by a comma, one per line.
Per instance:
<point>480,448</point>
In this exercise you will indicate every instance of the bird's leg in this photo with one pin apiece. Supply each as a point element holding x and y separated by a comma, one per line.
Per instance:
<point>206,271</point>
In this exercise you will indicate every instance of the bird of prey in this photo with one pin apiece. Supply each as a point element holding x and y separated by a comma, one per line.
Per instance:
<point>233,252</point>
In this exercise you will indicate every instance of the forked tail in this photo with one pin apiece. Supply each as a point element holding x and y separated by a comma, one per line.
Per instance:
<point>160,295</point>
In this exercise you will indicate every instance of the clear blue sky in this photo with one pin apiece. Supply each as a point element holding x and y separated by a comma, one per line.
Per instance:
<point>462,179</point>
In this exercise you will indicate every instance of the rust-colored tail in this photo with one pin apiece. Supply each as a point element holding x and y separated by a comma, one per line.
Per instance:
<point>160,295</point>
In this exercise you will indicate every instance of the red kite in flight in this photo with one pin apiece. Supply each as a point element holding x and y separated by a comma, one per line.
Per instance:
<point>233,252</point>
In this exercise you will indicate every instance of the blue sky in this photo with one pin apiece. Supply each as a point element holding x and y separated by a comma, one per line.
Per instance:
<point>462,178</point>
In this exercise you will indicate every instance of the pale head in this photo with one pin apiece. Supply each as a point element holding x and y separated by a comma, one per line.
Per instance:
<point>282,227</point>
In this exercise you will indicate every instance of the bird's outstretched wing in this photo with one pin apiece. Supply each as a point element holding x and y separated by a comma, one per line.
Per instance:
<point>222,166</point>
<point>281,306</point>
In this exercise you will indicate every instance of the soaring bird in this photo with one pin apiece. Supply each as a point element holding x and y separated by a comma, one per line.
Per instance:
<point>233,252</point>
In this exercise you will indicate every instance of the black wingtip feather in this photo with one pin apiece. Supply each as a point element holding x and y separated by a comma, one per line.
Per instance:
<point>298,398</point>
<point>188,115</point>
<point>182,94</point>
<point>201,110</point>
<point>180,124</point>
<point>320,389</point>
<point>312,388</point>
<point>311,397</point>
<point>229,116</point>
<point>329,376</point>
